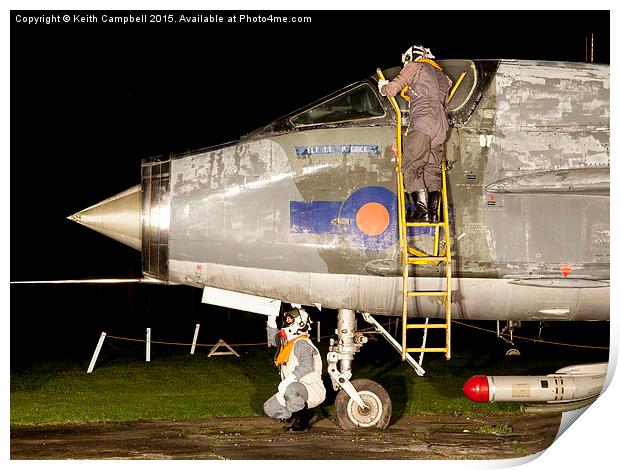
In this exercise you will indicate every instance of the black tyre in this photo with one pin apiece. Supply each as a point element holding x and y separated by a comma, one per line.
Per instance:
<point>377,414</point>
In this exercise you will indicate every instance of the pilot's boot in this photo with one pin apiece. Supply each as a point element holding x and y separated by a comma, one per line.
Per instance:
<point>293,421</point>
<point>433,206</point>
<point>301,420</point>
<point>421,206</point>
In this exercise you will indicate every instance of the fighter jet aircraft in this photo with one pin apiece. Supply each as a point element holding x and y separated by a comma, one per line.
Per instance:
<point>304,210</point>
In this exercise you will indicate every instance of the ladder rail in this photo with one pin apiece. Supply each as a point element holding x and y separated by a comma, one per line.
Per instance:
<point>403,253</point>
<point>402,228</point>
<point>448,264</point>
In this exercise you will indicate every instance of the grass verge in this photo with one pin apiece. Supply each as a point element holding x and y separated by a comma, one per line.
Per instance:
<point>174,385</point>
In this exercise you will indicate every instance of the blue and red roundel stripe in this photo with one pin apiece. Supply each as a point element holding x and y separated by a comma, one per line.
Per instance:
<point>368,218</point>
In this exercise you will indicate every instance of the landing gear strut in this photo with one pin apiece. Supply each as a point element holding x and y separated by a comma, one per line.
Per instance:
<point>361,402</point>
<point>511,326</point>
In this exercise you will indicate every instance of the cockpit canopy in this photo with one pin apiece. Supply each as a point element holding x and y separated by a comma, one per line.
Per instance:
<point>360,104</point>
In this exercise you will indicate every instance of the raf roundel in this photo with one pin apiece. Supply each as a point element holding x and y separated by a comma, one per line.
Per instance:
<point>373,215</point>
<point>367,219</point>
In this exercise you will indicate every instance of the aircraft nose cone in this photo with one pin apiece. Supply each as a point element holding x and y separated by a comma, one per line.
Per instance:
<point>118,217</point>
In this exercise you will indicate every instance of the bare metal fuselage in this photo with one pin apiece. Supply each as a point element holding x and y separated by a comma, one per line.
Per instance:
<point>284,212</point>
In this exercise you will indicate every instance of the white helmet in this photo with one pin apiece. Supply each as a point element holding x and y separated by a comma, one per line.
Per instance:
<point>298,324</point>
<point>415,53</point>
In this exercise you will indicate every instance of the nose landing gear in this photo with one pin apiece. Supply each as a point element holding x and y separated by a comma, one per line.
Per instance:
<point>361,402</point>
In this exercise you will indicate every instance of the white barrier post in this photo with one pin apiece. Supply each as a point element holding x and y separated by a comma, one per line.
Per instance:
<point>96,353</point>
<point>195,338</point>
<point>148,345</point>
<point>318,332</point>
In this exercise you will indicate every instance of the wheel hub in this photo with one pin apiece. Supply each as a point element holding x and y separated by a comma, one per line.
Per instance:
<point>370,414</point>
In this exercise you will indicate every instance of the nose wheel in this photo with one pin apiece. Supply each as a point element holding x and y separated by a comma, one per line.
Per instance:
<point>376,413</point>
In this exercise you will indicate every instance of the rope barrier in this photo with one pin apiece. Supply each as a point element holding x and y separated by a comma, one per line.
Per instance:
<point>368,330</point>
<point>530,339</point>
<point>180,344</point>
<point>135,340</point>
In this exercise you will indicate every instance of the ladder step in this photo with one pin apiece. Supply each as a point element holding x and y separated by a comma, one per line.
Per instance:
<point>422,326</point>
<point>427,293</point>
<point>429,350</point>
<point>425,224</point>
<point>426,259</point>
<point>415,252</point>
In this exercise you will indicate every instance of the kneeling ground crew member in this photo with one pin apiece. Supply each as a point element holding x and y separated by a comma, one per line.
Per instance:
<point>301,388</point>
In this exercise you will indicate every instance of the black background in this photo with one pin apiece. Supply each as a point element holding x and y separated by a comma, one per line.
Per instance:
<point>89,101</point>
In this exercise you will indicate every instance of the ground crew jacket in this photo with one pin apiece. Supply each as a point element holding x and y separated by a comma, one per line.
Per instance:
<point>305,362</point>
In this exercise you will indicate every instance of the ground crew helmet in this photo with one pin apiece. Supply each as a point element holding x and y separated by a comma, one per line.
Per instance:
<point>415,53</point>
<point>297,323</point>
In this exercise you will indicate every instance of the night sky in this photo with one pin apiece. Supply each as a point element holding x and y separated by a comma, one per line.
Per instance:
<point>89,101</point>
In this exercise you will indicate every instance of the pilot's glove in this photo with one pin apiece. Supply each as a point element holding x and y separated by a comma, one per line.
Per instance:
<point>285,383</point>
<point>381,84</point>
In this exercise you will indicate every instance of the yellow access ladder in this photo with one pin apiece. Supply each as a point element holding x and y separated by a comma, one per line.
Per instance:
<point>409,255</point>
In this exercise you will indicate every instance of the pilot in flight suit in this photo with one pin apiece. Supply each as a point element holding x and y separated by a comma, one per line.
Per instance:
<point>427,131</point>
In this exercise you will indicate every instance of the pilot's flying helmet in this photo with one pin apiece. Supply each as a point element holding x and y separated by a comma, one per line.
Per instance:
<point>415,53</point>
<point>296,322</point>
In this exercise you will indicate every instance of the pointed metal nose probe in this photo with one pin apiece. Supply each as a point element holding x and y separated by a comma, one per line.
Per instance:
<point>118,217</point>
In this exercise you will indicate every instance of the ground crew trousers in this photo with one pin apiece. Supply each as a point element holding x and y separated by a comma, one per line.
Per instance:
<point>295,398</point>
<point>421,162</point>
